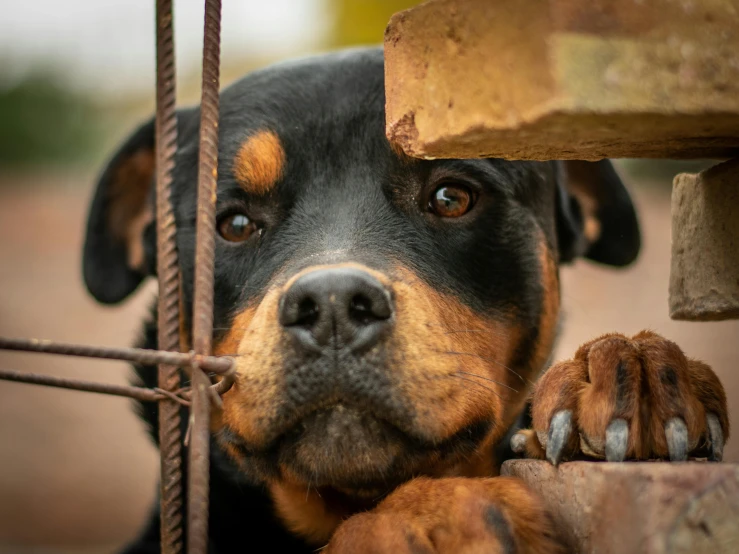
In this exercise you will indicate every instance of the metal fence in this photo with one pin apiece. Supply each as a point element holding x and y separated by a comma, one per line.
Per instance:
<point>170,394</point>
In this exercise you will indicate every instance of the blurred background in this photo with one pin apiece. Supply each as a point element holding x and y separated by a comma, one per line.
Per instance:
<point>77,472</point>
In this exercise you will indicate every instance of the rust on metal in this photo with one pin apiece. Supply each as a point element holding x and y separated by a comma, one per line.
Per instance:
<point>170,394</point>
<point>220,365</point>
<point>168,273</point>
<point>199,443</point>
<point>181,396</point>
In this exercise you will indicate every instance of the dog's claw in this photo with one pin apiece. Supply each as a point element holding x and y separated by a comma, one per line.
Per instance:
<point>676,433</point>
<point>560,429</point>
<point>617,440</point>
<point>518,443</point>
<point>716,434</point>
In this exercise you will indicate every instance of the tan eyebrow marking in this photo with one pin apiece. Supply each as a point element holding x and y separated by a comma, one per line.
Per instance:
<point>260,162</point>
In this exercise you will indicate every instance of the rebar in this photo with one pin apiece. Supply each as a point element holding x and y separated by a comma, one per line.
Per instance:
<point>139,393</point>
<point>199,448</point>
<point>170,394</point>
<point>168,316</point>
<point>221,365</point>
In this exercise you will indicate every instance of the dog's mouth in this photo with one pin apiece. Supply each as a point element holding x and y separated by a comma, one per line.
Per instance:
<point>356,451</point>
<point>342,447</point>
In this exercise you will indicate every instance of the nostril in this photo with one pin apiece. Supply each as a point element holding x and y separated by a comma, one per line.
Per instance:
<point>341,307</point>
<point>308,313</point>
<point>364,309</point>
<point>360,310</point>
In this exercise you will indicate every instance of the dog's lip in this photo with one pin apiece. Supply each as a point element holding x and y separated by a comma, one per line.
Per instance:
<point>393,417</point>
<point>294,426</point>
<point>474,432</point>
<point>405,454</point>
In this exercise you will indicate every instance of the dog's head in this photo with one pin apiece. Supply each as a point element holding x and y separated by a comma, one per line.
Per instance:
<point>386,314</point>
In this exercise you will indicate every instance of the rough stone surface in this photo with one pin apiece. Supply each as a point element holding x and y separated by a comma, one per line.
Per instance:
<point>648,507</point>
<point>704,273</point>
<point>564,79</point>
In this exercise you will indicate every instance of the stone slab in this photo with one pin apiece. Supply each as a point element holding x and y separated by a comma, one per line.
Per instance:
<point>564,79</point>
<point>704,271</point>
<point>645,507</point>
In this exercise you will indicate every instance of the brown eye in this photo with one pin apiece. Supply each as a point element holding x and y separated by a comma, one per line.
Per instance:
<point>236,228</point>
<point>451,201</point>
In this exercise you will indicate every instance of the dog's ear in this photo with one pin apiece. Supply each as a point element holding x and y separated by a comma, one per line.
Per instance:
<point>595,214</point>
<point>119,248</point>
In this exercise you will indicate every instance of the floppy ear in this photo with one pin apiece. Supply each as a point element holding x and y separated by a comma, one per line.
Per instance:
<point>119,247</point>
<point>595,214</point>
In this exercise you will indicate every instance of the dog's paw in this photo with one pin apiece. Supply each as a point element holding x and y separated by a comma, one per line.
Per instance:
<point>451,515</point>
<point>627,398</point>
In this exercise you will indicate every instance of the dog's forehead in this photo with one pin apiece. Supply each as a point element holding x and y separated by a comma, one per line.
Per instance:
<point>330,95</point>
<point>320,121</point>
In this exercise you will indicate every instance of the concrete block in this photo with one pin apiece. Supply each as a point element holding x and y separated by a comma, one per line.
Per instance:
<point>648,507</point>
<point>704,272</point>
<point>564,79</point>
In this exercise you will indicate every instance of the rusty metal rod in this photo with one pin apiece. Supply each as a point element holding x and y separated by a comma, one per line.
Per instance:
<point>168,273</point>
<point>199,448</point>
<point>139,393</point>
<point>220,365</point>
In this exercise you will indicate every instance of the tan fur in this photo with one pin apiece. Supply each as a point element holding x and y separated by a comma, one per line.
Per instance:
<point>311,513</point>
<point>184,328</point>
<point>448,363</point>
<point>584,188</point>
<point>665,400</point>
<point>252,401</point>
<point>707,388</point>
<point>449,515</point>
<point>656,382</point>
<point>548,321</point>
<point>549,318</point>
<point>260,162</point>
<point>129,214</point>
<point>436,338</point>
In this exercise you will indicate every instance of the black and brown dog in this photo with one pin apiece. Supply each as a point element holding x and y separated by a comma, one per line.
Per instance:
<point>387,316</point>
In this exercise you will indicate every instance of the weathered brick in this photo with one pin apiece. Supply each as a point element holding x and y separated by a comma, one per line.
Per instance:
<point>649,507</point>
<point>564,79</point>
<point>704,273</point>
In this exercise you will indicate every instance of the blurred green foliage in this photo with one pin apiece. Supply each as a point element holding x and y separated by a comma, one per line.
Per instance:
<point>43,122</point>
<point>359,22</point>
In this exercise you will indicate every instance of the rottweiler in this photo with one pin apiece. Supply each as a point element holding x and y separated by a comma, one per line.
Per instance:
<point>391,320</point>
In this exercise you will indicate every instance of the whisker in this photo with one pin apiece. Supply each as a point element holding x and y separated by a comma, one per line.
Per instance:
<point>488,331</point>
<point>487,379</point>
<point>481,394</point>
<point>487,359</point>
<point>478,384</point>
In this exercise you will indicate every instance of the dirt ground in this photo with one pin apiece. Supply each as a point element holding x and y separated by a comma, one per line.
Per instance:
<point>78,474</point>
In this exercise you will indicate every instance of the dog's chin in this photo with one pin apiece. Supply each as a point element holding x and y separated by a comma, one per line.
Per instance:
<point>353,451</point>
<point>346,449</point>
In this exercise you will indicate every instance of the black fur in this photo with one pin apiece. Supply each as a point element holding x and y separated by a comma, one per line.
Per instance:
<point>345,190</point>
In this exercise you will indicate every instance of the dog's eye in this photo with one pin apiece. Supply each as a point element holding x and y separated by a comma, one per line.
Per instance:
<point>236,227</point>
<point>451,200</point>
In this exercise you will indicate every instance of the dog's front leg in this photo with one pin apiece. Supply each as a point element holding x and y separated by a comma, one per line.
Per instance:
<point>452,515</point>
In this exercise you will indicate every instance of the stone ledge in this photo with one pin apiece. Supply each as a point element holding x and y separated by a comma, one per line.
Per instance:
<point>704,272</point>
<point>557,79</point>
<point>647,507</point>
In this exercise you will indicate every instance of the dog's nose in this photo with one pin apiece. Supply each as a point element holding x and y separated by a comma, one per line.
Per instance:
<point>346,306</point>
